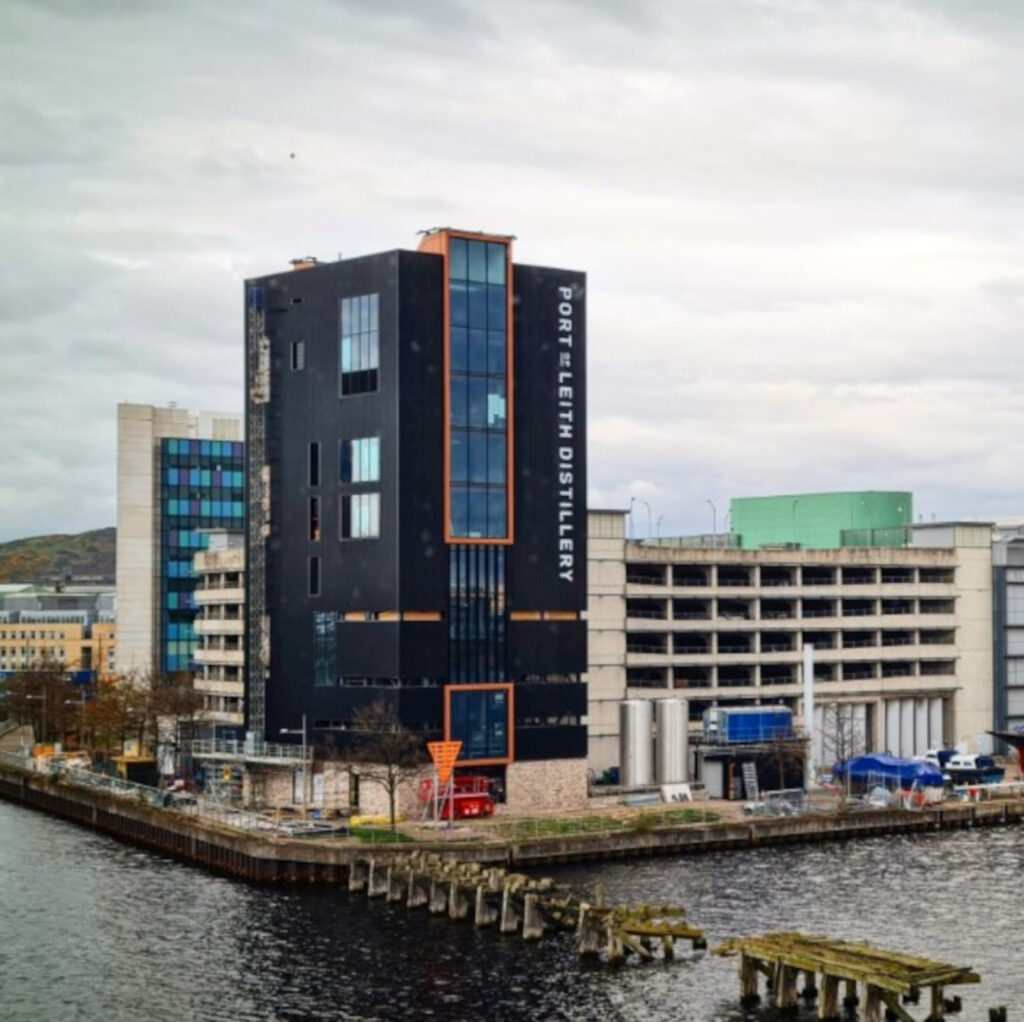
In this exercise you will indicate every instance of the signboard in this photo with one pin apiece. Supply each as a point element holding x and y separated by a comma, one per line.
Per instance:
<point>444,755</point>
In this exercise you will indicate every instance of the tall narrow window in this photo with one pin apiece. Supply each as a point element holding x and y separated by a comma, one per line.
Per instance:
<point>314,576</point>
<point>325,649</point>
<point>298,355</point>
<point>314,519</point>
<point>360,460</point>
<point>360,516</point>
<point>314,464</point>
<point>478,389</point>
<point>359,344</point>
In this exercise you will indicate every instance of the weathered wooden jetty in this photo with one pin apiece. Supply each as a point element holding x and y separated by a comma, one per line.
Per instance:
<point>516,903</point>
<point>879,981</point>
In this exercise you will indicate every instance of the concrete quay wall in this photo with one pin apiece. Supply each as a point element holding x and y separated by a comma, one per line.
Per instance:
<point>265,858</point>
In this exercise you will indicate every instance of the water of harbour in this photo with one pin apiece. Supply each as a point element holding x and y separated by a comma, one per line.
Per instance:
<point>94,929</point>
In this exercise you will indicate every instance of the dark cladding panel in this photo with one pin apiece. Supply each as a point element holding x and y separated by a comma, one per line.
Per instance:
<point>549,563</point>
<point>424,573</point>
<point>547,647</point>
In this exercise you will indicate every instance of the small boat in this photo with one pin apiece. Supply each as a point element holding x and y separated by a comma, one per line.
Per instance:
<point>970,769</point>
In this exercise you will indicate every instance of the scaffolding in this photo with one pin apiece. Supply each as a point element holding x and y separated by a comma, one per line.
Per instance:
<point>258,507</point>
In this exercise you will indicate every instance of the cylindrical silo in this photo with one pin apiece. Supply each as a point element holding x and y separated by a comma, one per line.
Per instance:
<point>673,740</point>
<point>635,745</point>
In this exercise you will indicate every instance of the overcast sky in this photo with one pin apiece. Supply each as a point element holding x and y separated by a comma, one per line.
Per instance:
<point>800,220</point>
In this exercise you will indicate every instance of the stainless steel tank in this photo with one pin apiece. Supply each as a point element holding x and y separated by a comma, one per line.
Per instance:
<point>672,740</point>
<point>636,759</point>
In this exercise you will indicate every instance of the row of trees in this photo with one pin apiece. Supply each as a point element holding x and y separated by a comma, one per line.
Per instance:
<point>128,708</point>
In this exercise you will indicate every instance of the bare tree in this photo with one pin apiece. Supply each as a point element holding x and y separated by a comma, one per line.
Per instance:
<point>842,737</point>
<point>388,756</point>
<point>43,697</point>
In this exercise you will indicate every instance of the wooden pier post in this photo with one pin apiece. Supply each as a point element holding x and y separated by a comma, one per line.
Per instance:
<point>748,981</point>
<point>438,903</point>
<point>376,883</point>
<point>533,925</point>
<point>396,890</point>
<point>810,990</point>
<point>828,1006</point>
<point>851,1000</point>
<point>509,916</point>
<point>484,913</point>
<point>872,1003</point>
<point>419,890</point>
<point>357,875</point>
<point>458,903</point>
<point>589,931</point>
<point>785,986</point>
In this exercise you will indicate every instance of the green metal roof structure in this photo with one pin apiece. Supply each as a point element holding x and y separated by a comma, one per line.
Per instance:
<point>823,521</point>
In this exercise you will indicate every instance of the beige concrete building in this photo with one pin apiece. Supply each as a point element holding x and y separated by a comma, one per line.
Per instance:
<point>902,636</point>
<point>220,596</point>
<point>70,626</point>
<point>140,524</point>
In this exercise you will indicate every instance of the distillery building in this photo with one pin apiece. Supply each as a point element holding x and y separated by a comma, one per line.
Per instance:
<point>416,507</point>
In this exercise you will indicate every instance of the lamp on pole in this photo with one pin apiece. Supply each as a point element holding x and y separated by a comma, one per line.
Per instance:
<point>657,526</point>
<point>305,765</point>
<point>649,529</point>
<point>714,519</point>
<point>631,532</point>
<point>796,501</point>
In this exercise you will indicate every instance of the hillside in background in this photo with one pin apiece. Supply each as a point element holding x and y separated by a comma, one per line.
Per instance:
<point>46,558</point>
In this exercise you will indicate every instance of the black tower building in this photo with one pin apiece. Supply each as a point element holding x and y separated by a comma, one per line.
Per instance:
<point>416,435</point>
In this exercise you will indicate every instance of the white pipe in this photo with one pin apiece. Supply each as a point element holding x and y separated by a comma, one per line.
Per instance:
<point>808,671</point>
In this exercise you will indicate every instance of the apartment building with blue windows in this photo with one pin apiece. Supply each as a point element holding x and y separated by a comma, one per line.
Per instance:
<point>178,472</point>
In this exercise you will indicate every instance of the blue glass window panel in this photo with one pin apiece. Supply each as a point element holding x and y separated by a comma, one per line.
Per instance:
<point>497,298</point>
<point>496,352</point>
<point>477,260</point>
<point>238,510</point>
<point>172,446</point>
<point>457,258</point>
<point>193,477</point>
<point>497,464</point>
<point>460,511</point>
<point>204,447</point>
<point>346,354</point>
<point>204,477</point>
<point>172,477</point>
<point>478,457</point>
<point>477,351</point>
<point>477,403</point>
<point>374,312</point>
<point>460,456</point>
<point>477,305</point>
<point>204,508</point>
<point>172,601</point>
<point>497,255</point>
<point>496,413</point>
<point>496,506</point>
<point>460,401</point>
<point>374,459</point>
<point>458,304</point>
<point>459,350</point>
<point>478,512</point>
<point>172,631</point>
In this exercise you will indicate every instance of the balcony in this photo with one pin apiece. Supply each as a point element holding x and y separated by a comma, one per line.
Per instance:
<point>219,656</point>
<point>203,597</point>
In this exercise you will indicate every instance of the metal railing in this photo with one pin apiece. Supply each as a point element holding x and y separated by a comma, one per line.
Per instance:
<point>231,748</point>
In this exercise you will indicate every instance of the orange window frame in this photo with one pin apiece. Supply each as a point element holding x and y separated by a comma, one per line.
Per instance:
<point>498,686</point>
<point>440,243</point>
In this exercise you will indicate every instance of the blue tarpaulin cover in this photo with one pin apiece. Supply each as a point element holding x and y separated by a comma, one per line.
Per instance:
<point>878,766</point>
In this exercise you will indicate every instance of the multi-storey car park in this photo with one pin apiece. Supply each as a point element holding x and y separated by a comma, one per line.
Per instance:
<point>902,636</point>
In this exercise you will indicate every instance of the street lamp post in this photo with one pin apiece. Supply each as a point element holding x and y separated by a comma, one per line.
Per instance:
<point>305,766</point>
<point>714,520</point>
<point>649,529</point>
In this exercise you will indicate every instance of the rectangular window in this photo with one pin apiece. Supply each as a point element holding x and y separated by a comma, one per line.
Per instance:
<point>359,344</point>
<point>325,649</point>
<point>314,464</point>
<point>314,576</point>
<point>360,460</point>
<point>481,718</point>
<point>360,516</point>
<point>298,355</point>
<point>314,519</point>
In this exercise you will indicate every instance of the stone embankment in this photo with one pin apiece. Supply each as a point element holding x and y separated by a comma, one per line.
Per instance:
<point>270,858</point>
